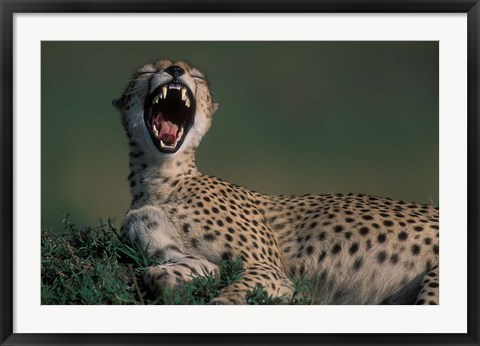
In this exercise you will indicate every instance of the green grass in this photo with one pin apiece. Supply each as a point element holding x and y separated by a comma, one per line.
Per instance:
<point>92,266</point>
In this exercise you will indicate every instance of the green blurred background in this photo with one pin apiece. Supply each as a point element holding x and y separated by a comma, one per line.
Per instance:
<point>294,118</point>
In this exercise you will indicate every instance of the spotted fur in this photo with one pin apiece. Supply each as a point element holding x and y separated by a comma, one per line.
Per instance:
<point>350,248</point>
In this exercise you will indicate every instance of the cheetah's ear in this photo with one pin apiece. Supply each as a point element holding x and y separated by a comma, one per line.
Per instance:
<point>214,107</point>
<point>118,103</point>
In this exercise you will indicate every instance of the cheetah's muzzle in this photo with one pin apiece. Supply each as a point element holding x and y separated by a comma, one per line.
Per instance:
<point>169,115</point>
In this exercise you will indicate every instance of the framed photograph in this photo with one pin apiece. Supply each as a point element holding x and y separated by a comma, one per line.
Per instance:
<point>288,161</point>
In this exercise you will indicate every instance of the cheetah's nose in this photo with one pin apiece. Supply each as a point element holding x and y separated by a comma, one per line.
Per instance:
<point>175,71</point>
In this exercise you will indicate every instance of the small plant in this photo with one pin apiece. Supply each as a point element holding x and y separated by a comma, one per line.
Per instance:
<point>82,266</point>
<point>301,292</point>
<point>92,266</point>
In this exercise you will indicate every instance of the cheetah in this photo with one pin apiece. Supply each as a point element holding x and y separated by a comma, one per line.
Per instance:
<point>350,248</point>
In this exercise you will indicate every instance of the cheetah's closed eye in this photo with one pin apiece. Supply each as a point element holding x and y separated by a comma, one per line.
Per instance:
<point>351,249</point>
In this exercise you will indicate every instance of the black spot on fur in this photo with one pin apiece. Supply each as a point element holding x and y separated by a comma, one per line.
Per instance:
<point>336,249</point>
<point>381,256</point>
<point>226,255</point>
<point>209,237</point>
<point>353,248</point>
<point>415,249</point>
<point>364,230</point>
<point>402,235</point>
<point>381,237</point>
<point>338,228</point>
<point>358,264</point>
<point>394,258</point>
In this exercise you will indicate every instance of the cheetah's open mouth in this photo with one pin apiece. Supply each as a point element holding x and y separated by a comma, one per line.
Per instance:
<point>169,113</point>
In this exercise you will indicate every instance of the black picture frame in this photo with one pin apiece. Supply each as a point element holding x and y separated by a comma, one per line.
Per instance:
<point>9,8</point>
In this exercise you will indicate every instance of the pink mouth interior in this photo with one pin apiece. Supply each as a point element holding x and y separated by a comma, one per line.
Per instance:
<point>167,130</point>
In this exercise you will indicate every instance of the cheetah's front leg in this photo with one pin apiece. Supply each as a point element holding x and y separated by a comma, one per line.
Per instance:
<point>270,277</point>
<point>174,274</point>
<point>151,229</point>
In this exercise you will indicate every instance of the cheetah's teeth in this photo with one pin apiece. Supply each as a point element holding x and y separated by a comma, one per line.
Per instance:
<point>156,99</point>
<point>180,134</point>
<point>163,145</point>
<point>155,130</point>
<point>164,92</point>
<point>185,97</point>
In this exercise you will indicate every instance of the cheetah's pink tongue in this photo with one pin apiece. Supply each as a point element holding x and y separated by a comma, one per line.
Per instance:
<point>168,132</point>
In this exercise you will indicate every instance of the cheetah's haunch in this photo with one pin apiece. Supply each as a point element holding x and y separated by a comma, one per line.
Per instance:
<point>351,249</point>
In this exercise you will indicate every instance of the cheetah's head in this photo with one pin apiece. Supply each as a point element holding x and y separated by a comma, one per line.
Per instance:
<point>167,107</point>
